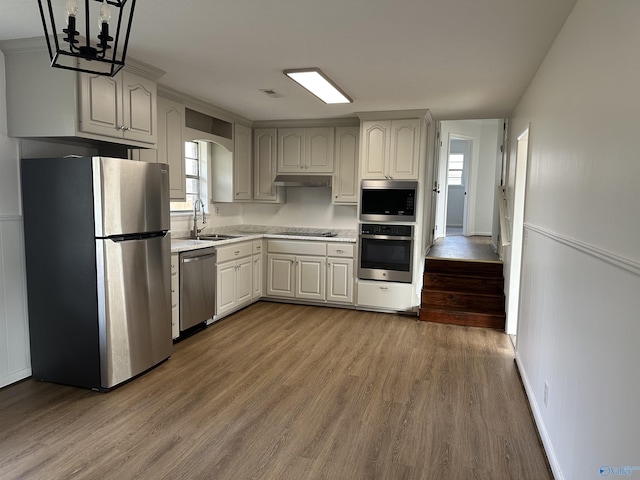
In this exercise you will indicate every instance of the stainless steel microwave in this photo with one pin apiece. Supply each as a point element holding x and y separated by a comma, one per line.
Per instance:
<point>388,200</point>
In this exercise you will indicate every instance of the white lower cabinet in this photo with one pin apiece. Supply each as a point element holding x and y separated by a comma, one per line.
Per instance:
<point>258,269</point>
<point>175,296</point>
<point>314,271</point>
<point>310,277</point>
<point>281,275</point>
<point>234,277</point>
<point>340,280</point>
<point>385,295</point>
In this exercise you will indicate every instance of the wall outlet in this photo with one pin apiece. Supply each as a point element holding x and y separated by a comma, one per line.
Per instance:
<point>545,397</point>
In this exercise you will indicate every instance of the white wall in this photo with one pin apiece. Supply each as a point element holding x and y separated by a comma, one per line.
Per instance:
<point>14,337</point>
<point>579,320</point>
<point>305,207</point>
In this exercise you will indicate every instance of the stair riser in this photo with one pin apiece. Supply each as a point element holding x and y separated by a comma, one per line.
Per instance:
<point>466,319</point>
<point>451,283</point>
<point>469,302</point>
<point>460,267</point>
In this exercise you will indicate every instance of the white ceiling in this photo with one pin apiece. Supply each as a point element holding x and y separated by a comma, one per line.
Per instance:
<point>459,58</point>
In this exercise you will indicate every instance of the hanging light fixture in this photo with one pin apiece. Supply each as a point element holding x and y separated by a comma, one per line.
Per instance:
<point>101,54</point>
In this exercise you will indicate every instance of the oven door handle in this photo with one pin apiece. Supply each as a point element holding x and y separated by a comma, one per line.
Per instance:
<point>385,237</point>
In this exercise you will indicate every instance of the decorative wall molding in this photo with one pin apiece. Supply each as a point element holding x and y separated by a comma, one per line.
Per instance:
<point>609,257</point>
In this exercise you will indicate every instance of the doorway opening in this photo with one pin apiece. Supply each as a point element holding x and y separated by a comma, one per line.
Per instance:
<point>458,161</point>
<point>467,169</point>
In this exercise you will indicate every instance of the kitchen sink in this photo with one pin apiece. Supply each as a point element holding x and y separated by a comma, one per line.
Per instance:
<point>217,236</point>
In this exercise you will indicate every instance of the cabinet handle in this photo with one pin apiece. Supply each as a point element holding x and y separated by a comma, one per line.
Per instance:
<point>384,288</point>
<point>339,251</point>
<point>237,252</point>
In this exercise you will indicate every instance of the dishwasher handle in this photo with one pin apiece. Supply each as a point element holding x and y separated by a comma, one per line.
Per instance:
<point>197,259</point>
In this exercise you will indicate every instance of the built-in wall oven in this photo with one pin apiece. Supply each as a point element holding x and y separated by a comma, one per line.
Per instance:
<point>386,252</point>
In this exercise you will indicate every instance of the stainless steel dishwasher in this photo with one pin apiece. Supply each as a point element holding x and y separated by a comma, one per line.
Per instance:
<point>197,286</point>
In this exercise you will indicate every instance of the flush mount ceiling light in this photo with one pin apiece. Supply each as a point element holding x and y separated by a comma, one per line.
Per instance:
<point>316,82</point>
<point>71,50</point>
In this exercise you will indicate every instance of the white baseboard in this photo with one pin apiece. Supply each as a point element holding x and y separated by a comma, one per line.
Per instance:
<point>537,416</point>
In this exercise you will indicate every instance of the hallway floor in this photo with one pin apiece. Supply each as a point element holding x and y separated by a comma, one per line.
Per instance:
<point>464,248</point>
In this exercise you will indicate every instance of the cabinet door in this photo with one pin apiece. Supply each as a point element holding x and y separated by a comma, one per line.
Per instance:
<point>405,149</point>
<point>375,149</point>
<point>140,116</point>
<point>171,145</point>
<point>340,280</point>
<point>281,275</point>
<point>264,166</point>
<point>226,296</point>
<point>242,163</point>
<point>345,176</point>
<point>291,150</point>
<point>101,105</point>
<point>319,154</point>
<point>258,280</point>
<point>310,277</point>
<point>244,280</point>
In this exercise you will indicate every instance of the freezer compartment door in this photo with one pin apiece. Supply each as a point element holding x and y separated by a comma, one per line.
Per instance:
<point>130,196</point>
<point>134,303</point>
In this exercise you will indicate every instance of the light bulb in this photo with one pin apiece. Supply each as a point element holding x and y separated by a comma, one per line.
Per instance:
<point>105,13</point>
<point>72,8</point>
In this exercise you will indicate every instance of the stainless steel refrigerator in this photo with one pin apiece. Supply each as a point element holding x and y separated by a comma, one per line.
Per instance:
<point>97,246</point>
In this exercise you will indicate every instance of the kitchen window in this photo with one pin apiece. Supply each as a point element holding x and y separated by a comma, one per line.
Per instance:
<point>195,163</point>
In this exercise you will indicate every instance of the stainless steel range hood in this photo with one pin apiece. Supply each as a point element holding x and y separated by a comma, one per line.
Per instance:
<point>303,181</point>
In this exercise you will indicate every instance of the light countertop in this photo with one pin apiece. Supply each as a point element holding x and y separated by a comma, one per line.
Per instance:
<point>181,243</point>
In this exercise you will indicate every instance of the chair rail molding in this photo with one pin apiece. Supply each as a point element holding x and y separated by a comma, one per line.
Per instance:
<point>625,263</point>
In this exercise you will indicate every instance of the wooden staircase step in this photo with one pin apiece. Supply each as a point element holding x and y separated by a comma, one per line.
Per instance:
<point>468,319</point>
<point>461,301</point>
<point>458,283</point>
<point>463,267</point>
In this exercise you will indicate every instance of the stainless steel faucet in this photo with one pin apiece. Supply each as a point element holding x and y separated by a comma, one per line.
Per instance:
<point>195,232</point>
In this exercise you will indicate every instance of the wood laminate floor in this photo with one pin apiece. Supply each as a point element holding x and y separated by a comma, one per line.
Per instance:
<point>475,248</point>
<point>282,391</point>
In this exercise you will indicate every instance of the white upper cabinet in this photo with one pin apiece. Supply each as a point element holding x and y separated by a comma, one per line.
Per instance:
<point>265,149</point>
<point>405,149</point>
<point>123,106</point>
<point>345,175</point>
<point>305,150</point>
<point>171,145</point>
<point>242,163</point>
<point>48,102</point>
<point>390,149</point>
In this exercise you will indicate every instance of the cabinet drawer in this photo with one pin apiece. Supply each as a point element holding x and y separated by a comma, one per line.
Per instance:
<point>293,247</point>
<point>257,247</point>
<point>388,295</point>
<point>340,250</point>
<point>231,252</point>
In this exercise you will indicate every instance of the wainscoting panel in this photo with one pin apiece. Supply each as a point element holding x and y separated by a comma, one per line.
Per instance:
<point>14,329</point>
<point>577,350</point>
